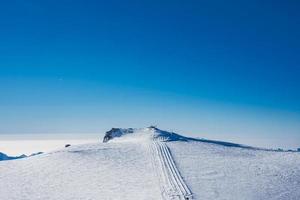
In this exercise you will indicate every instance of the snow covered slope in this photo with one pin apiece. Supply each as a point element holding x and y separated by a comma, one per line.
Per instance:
<point>153,164</point>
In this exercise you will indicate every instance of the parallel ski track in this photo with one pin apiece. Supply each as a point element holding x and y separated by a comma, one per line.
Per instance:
<point>172,183</point>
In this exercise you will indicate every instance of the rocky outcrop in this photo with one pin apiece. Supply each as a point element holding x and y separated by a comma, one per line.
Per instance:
<point>116,132</point>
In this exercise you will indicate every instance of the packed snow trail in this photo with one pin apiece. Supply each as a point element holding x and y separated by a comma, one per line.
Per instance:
<point>173,185</point>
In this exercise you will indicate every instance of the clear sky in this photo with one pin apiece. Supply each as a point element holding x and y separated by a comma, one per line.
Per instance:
<point>226,70</point>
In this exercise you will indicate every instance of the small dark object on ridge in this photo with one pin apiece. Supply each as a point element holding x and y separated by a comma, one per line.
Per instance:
<point>298,149</point>
<point>67,145</point>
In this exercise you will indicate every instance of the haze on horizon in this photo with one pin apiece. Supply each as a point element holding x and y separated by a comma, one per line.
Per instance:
<point>220,70</point>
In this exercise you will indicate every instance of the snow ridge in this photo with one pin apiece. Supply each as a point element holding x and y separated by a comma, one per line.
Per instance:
<point>149,133</point>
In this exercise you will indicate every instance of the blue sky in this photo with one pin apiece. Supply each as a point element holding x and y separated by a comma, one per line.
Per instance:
<point>225,69</point>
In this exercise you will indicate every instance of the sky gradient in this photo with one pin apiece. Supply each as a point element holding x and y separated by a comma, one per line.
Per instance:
<point>215,69</point>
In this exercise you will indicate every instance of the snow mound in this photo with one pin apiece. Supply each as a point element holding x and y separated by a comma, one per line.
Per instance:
<point>150,133</point>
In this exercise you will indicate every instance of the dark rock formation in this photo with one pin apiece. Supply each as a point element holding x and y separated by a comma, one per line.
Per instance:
<point>116,132</point>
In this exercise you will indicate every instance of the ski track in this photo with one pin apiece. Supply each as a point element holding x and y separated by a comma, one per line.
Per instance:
<point>172,184</point>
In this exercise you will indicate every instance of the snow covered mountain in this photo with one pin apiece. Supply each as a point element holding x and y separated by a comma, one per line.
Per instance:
<point>3,156</point>
<point>153,164</point>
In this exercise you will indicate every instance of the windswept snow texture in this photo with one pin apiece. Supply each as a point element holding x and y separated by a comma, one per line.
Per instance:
<point>153,164</point>
<point>94,171</point>
<point>220,172</point>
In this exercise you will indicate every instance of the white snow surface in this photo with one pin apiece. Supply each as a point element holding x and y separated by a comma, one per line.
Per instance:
<point>153,164</point>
